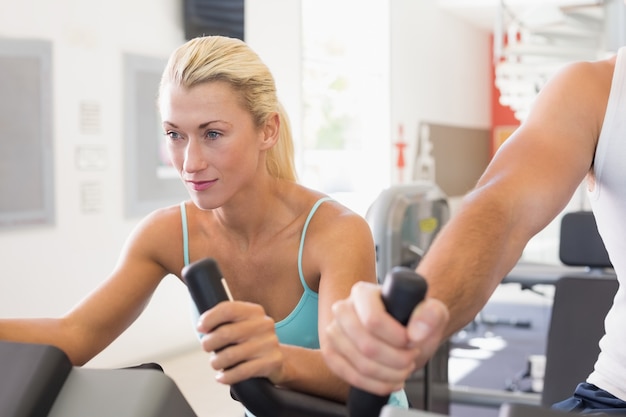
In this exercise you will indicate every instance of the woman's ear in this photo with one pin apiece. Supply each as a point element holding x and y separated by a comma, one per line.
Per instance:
<point>270,131</point>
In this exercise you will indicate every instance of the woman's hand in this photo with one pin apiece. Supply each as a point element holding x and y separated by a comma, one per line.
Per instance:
<point>243,340</point>
<point>371,350</point>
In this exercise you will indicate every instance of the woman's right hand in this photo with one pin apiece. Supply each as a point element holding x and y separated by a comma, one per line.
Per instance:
<point>243,342</point>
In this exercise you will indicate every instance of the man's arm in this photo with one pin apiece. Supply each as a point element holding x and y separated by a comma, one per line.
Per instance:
<point>529,181</point>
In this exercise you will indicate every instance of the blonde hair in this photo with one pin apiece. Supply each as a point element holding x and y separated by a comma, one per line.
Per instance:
<point>219,58</point>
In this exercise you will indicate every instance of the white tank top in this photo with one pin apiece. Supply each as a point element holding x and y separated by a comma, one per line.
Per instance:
<point>608,201</point>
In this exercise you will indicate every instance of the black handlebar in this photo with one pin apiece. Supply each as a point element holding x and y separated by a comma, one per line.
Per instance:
<point>402,290</point>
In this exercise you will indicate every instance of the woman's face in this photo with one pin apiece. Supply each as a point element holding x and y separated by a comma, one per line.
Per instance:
<point>212,141</point>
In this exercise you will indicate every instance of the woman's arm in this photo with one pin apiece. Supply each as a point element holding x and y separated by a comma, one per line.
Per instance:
<point>345,252</point>
<point>107,311</point>
<point>339,247</point>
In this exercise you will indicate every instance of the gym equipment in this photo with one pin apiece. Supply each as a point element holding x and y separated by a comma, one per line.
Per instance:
<point>581,252</point>
<point>405,219</point>
<point>506,410</point>
<point>32,378</point>
<point>398,218</point>
<point>576,327</point>
<point>583,256</point>
<point>525,410</point>
<point>402,290</point>
<point>39,381</point>
<point>396,412</point>
<point>580,243</point>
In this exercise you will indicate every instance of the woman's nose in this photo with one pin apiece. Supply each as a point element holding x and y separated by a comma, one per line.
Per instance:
<point>194,157</point>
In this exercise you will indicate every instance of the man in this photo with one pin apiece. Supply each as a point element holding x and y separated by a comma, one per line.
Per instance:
<point>576,129</point>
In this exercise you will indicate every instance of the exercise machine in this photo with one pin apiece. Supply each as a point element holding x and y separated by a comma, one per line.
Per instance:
<point>402,290</point>
<point>40,381</point>
<point>505,410</point>
<point>405,219</point>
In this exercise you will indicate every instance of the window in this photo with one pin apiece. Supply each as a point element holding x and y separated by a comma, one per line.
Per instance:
<point>345,149</point>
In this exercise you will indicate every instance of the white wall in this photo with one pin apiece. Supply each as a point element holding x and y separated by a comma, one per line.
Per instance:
<point>439,73</point>
<point>273,31</point>
<point>46,270</point>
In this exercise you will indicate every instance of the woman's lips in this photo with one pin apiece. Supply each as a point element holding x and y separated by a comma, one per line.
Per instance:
<point>201,185</point>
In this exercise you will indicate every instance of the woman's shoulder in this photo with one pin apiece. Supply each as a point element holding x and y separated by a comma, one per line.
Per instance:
<point>165,214</point>
<point>328,213</point>
<point>153,239</point>
<point>313,200</point>
<point>160,222</point>
<point>336,234</point>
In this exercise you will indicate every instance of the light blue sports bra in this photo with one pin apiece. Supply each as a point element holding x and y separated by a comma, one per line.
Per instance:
<point>300,327</point>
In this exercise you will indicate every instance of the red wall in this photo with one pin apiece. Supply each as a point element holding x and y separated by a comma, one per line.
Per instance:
<point>503,121</point>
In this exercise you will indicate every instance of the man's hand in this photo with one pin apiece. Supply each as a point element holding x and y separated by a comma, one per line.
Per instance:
<point>370,350</point>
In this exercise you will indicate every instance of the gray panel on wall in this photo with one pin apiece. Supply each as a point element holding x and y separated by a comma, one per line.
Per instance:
<point>461,155</point>
<point>146,186</point>
<point>26,157</point>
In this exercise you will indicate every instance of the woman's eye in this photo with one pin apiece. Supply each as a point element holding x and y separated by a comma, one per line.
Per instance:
<point>211,134</point>
<point>172,135</point>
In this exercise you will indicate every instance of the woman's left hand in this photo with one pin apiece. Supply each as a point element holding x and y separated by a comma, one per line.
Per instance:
<point>243,340</point>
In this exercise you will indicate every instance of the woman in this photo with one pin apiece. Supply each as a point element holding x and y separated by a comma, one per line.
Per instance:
<point>287,252</point>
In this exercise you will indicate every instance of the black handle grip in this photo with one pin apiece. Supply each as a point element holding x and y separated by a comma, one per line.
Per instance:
<point>402,290</point>
<point>258,395</point>
<point>204,281</point>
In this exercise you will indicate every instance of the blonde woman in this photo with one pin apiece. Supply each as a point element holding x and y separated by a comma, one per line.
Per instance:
<point>287,252</point>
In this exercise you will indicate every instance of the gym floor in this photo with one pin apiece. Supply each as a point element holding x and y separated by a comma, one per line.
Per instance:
<point>494,353</point>
<point>196,380</point>
<point>487,355</point>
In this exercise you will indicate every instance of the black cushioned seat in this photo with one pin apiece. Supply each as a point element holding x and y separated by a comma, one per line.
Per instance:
<point>32,377</point>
